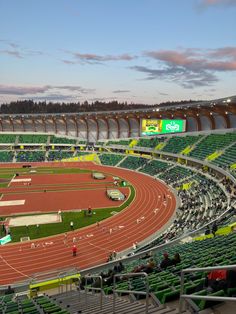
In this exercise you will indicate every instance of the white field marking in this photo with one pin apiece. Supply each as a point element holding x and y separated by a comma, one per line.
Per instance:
<point>11,180</point>
<point>16,270</point>
<point>12,203</point>
<point>34,220</point>
<point>21,180</point>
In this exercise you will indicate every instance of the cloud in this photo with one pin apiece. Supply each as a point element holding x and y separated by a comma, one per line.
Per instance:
<point>189,67</point>
<point>68,61</point>
<point>217,2</point>
<point>163,94</point>
<point>55,98</point>
<point>13,49</point>
<point>12,53</point>
<point>120,91</point>
<point>90,58</point>
<point>34,90</point>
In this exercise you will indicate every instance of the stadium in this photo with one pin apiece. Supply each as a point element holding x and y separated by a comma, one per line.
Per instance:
<point>171,170</point>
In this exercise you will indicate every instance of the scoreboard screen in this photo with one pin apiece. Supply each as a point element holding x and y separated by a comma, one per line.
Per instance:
<point>155,126</point>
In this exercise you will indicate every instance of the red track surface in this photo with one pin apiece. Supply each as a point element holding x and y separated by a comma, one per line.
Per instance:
<point>19,261</point>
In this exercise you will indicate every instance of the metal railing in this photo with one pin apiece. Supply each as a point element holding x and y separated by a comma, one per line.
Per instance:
<point>93,289</point>
<point>184,297</point>
<point>131,275</point>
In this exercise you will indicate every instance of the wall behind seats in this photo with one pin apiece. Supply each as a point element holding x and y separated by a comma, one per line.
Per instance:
<point>113,128</point>
<point>92,130</point>
<point>134,128</point>
<point>71,125</point>
<point>205,123</point>
<point>232,119</point>
<point>192,124</point>
<point>220,122</point>
<point>103,131</point>
<point>82,129</point>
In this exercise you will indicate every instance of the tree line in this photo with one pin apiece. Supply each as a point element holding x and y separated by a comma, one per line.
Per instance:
<point>30,106</point>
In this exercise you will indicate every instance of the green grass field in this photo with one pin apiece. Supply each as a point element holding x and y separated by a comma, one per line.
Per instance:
<point>78,218</point>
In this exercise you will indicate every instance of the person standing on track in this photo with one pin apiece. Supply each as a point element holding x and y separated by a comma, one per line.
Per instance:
<point>74,250</point>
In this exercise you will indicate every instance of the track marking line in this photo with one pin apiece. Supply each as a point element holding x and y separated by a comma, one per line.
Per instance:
<point>16,270</point>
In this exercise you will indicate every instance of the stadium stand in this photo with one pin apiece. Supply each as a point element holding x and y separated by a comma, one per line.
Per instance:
<point>61,140</point>
<point>203,199</point>
<point>155,167</point>
<point>7,138</point>
<point>133,163</point>
<point>59,155</point>
<point>120,142</point>
<point>110,159</point>
<point>175,174</point>
<point>32,138</point>
<point>150,142</point>
<point>211,143</point>
<point>30,156</point>
<point>227,158</point>
<point>6,156</point>
<point>177,144</point>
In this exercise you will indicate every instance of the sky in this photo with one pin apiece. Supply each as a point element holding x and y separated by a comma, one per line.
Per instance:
<point>138,51</point>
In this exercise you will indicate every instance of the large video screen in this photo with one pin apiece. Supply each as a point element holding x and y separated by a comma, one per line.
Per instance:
<point>155,126</point>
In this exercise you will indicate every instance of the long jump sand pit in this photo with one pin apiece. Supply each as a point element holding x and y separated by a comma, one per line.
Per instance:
<point>34,220</point>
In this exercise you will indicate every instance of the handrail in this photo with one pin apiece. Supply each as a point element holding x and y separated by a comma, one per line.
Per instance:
<point>199,297</point>
<point>94,289</point>
<point>131,275</point>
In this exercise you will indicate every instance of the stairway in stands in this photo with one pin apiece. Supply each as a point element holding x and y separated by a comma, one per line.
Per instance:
<point>78,302</point>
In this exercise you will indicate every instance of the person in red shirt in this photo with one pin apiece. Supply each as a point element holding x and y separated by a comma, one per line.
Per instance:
<point>74,250</point>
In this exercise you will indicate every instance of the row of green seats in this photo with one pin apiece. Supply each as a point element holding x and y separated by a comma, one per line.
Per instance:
<point>32,138</point>
<point>30,156</point>
<point>61,140</point>
<point>150,142</point>
<point>177,144</point>
<point>48,306</point>
<point>6,156</point>
<point>133,163</point>
<point>154,167</point>
<point>211,144</point>
<point>110,159</point>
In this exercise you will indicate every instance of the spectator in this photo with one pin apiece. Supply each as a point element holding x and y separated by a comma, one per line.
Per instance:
<point>9,290</point>
<point>119,268</point>
<point>176,260</point>
<point>166,262</point>
<point>207,231</point>
<point>216,280</point>
<point>214,229</point>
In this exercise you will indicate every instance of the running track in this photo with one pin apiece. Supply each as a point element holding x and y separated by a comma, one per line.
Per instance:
<point>20,261</point>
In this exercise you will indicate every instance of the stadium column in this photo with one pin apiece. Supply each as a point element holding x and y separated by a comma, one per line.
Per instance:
<point>12,124</point>
<point>129,126</point>
<point>97,127</point>
<point>22,123</point>
<point>118,126</point>
<point>65,122</point>
<point>33,122</point>
<point>55,124</point>
<point>44,124</point>
<point>138,123</point>
<point>195,115</point>
<point>87,128</point>
<point>77,126</point>
<point>108,130</point>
